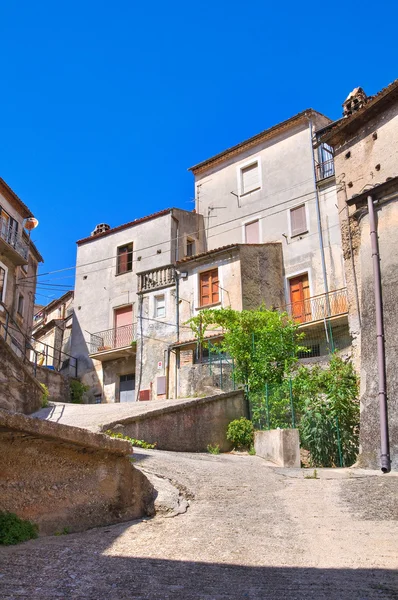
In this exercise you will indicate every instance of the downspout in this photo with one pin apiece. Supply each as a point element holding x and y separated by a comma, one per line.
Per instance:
<point>352,259</point>
<point>381,354</point>
<point>176,256</point>
<point>319,221</point>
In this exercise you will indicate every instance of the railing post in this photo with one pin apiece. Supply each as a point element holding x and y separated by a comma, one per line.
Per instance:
<point>291,403</point>
<point>267,404</point>
<point>6,326</point>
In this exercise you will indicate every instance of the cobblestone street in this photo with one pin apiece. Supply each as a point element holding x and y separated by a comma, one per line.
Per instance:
<point>250,531</point>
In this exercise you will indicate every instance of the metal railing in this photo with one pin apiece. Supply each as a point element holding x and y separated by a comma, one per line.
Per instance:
<point>54,358</point>
<point>325,169</point>
<point>156,278</point>
<point>112,339</point>
<point>17,340</point>
<point>13,239</point>
<point>318,307</point>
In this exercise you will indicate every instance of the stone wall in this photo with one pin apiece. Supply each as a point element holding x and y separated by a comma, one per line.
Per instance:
<point>19,390</point>
<point>187,427</point>
<point>63,477</point>
<point>57,384</point>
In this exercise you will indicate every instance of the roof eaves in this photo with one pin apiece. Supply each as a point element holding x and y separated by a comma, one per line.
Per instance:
<point>202,255</point>
<point>91,238</point>
<point>263,135</point>
<point>6,187</point>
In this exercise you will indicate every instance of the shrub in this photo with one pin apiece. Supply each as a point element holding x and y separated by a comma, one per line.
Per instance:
<point>133,441</point>
<point>14,530</point>
<point>77,390</point>
<point>45,396</point>
<point>241,433</point>
<point>213,449</point>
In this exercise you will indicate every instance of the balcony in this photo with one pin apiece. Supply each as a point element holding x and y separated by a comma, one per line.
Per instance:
<point>317,308</point>
<point>325,169</point>
<point>12,245</point>
<point>156,279</point>
<point>113,343</point>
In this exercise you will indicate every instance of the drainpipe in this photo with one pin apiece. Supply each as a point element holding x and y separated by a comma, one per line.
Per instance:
<point>319,221</point>
<point>381,354</point>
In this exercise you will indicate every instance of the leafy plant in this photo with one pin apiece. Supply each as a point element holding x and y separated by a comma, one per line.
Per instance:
<point>45,396</point>
<point>313,476</point>
<point>64,531</point>
<point>263,343</point>
<point>329,427</point>
<point>77,390</point>
<point>241,433</point>
<point>213,449</point>
<point>252,451</point>
<point>133,441</point>
<point>14,530</point>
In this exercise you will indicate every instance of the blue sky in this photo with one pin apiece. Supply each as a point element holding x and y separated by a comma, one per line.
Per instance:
<point>104,105</point>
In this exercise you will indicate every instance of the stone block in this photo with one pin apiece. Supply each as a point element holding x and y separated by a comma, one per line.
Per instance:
<point>280,446</point>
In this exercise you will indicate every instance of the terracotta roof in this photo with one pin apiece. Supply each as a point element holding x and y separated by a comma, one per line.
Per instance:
<point>208,253</point>
<point>194,340</point>
<point>91,238</point>
<point>377,191</point>
<point>354,121</point>
<point>253,141</point>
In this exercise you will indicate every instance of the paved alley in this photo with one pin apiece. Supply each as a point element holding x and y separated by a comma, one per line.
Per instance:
<point>250,531</point>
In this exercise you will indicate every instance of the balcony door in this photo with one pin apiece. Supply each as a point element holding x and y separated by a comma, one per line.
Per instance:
<point>299,298</point>
<point>123,333</point>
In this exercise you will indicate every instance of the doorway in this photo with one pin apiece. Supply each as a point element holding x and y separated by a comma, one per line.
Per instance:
<point>127,388</point>
<point>300,298</point>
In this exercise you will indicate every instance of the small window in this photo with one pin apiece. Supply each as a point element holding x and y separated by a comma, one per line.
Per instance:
<point>252,234</point>
<point>21,301</point>
<point>249,178</point>
<point>298,220</point>
<point>209,288</point>
<point>2,284</point>
<point>190,247</point>
<point>160,307</point>
<point>124,259</point>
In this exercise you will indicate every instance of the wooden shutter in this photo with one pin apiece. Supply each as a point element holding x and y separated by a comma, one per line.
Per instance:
<point>252,234</point>
<point>124,259</point>
<point>209,288</point>
<point>298,220</point>
<point>250,178</point>
<point>300,298</point>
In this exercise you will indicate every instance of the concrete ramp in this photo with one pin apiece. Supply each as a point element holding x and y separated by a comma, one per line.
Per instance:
<point>62,477</point>
<point>184,425</point>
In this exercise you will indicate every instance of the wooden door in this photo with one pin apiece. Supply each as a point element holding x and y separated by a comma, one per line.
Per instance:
<point>299,298</point>
<point>123,333</point>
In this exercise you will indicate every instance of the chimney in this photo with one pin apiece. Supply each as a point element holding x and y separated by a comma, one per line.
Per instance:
<point>354,101</point>
<point>101,228</point>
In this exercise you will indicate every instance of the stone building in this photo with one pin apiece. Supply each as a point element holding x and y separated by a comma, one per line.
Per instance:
<point>365,143</point>
<point>19,260</point>
<point>52,329</point>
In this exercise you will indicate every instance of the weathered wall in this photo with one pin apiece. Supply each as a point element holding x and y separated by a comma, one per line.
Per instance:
<point>261,275</point>
<point>199,379</point>
<point>57,384</point>
<point>280,446</point>
<point>189,427</point>
<point>370,424</point>
<point>63,477</point>
<point>19,390</point>
<point>112,370</point>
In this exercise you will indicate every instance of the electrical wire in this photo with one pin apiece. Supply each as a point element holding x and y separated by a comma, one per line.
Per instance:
<point>255,213</point>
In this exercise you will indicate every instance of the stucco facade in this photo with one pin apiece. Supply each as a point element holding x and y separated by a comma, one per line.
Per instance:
<point>286,180</point>
<point>100,291</point>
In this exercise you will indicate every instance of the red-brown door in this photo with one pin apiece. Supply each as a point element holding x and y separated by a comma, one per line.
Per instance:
<point>299,298</point>
<point>123,333</point>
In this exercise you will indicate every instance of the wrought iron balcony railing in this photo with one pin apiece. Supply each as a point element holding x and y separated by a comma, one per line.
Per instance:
<point>319,307</point>
<point>13,239</point>
<point>112,339</point>
<point>156,278</point>
<point>325,169</point>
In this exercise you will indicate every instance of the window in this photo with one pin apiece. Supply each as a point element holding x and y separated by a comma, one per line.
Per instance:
<point>298,220</point>
<point>160,307</point>
<point>124,259</point>
<point>249,178</point>
<point>252,233</point>
<point>3,275</point>
<point>20,305</point>
<point>190,247</point>
<point>209,288</point>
